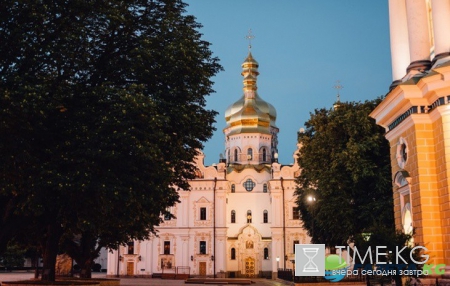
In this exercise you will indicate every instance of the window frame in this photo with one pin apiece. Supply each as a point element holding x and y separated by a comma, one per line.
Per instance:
<point>166,247</point>
<point>203,213</point>
<point>295,213</point>
<point>202,247</point>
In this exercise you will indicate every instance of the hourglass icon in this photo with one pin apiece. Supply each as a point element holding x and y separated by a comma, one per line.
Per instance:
<point>310,266</point>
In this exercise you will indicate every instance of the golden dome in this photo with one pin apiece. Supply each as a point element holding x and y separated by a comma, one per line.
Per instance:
<point>250,113</point>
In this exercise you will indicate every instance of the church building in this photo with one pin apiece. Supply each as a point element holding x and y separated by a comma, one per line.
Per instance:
<point>416,116</point>
<point>240,217</point>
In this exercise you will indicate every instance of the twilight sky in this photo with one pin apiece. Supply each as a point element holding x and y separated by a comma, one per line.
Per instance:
<point>303,48</point>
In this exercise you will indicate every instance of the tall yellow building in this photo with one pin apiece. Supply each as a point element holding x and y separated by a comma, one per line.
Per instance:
<point>416,115</point>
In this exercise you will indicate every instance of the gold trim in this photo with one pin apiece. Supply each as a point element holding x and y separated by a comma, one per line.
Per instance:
<point>250,122</point>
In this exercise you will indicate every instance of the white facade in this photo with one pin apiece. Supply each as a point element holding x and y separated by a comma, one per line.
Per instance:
<point>240,215</point>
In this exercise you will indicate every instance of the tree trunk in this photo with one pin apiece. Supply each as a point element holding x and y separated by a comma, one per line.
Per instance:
<point>84,253</point>
<point>36,264</point>
<point>51,246</point>
<point>398,280</point>
<point>332,250</point>
<point>86,269</point>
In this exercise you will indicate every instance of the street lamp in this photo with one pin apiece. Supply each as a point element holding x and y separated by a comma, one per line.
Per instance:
<point>278,263</point>
<point>311,201</point>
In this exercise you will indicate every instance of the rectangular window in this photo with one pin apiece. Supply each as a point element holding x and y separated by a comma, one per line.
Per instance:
<point>295,213</point>
<point>202,247</point>
<point>166,247</point>
<point>167,215</point>
<point>293,245</point>
<point>130,247</point>
<point>202,213</point>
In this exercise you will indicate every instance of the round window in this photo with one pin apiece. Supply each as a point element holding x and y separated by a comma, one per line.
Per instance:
<point>402,152</point>
<point>249,185</point>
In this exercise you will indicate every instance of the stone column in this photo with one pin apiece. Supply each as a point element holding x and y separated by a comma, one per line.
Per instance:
<point>399,39</point>
<point>441,27</point>
<point>418,33</point>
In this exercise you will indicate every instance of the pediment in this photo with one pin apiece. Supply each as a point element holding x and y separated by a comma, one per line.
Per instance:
<point>202,200</point>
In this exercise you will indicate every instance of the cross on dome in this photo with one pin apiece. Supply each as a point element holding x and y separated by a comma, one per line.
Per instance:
<point>338,87</point>
<point>250,37</point>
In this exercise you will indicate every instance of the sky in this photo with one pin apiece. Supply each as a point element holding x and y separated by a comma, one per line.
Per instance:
<point>303,48</point>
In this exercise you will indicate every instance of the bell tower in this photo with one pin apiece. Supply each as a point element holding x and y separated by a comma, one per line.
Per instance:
<point>251,133</point>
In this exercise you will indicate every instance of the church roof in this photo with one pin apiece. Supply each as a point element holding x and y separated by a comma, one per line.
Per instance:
<point>250,113</point>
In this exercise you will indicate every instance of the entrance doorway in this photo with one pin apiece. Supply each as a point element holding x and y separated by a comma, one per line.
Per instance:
<point>202,268</point>
<point>250,267</point>
<point>130,268</point>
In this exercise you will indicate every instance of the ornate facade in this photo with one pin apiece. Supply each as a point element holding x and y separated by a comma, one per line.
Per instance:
<point>416,115</point>
<point>240,217</point>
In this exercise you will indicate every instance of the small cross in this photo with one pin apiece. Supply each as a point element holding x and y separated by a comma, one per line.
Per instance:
<point>338,87</point>
<point>250,37</point>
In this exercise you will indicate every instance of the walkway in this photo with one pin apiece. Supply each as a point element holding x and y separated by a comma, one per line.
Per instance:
<point>14,276</point>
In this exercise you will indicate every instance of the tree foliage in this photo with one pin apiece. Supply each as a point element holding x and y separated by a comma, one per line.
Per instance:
<point>14,256</point>
<point>346,167</point>
<point>95,100</point>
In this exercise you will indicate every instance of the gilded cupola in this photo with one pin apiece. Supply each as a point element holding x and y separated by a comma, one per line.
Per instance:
<point>250,114</point>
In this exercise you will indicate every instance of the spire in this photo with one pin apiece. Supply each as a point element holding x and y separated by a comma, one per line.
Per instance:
<point>338,87</point>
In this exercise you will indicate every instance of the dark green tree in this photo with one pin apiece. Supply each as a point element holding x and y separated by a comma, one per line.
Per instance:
<point>103,111</point>
<point>345,165</point>
<point>14,256</point>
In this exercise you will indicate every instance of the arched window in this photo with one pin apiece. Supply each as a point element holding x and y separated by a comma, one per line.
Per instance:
<point>233,253</point>
<point>266,253</point>
<point>233,188</point>
<point>249,216</point>
<point>250,154</point>
<point>235,155</point>
<point>233,216</point>
<point>264,155</point>
<point>265,216</point>
<point>265,188</point>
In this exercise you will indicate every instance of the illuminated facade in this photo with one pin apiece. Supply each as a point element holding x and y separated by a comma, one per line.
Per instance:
<point>240,215</point>
<point>416,115</point>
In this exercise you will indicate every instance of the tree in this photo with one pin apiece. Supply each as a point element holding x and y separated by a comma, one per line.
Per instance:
<point>345,165</point>
<point>14,256</point>
<point>96,98</point>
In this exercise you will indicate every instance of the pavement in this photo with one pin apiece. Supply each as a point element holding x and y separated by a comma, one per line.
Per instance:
<point>15,276</point>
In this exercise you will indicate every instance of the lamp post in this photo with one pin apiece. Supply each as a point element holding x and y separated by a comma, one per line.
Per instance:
<point>311,201</point>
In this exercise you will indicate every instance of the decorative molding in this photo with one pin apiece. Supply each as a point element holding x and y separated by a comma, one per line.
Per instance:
<point>422,109</point>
